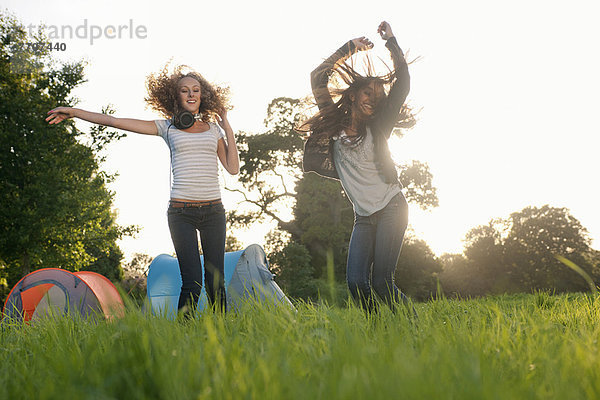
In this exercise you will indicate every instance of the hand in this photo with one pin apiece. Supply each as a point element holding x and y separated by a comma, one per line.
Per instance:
<point>59,114</point>
<point>385,30</point>
<point>362,43</point>
<point>223,122</point>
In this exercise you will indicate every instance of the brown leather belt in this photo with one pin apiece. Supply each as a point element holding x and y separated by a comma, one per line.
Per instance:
<point>186,204</point>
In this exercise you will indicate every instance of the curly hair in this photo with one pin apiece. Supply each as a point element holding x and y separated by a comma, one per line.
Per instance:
<point>347,82</point>
<point>163,93</point>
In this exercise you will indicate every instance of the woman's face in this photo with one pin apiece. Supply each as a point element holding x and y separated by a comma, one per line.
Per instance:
<point>367,98</point>
<point>189,94</point>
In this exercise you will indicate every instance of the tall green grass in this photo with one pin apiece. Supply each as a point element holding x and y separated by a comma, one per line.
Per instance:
<point>510,347</point>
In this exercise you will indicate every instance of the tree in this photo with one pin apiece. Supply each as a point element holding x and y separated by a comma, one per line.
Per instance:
<point>56,208</point>
<point>484,250</point>
<point>294,271</point>
<point>321,215</point>
<point>135,275</point>
<point>538,234</point>
<point>271,167</point>
<point>457,277</point>
<point>417,270</point>
<point>518,254</point>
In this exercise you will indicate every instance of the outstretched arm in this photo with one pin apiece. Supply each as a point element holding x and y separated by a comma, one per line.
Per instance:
<point>401,85</point>
<point>228,152</point>
<point>59,114</point>
<point>320,76</point>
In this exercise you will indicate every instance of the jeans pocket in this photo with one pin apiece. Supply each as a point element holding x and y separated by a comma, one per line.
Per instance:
<point>219,209</point>
<point>398,200</point>
<point>174,211</point>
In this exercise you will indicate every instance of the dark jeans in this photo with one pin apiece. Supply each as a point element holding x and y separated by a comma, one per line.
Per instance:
<point>183,224</point>
<point>373,254</point>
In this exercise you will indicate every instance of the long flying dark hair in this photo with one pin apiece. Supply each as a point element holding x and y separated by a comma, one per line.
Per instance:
<point>345,83</point>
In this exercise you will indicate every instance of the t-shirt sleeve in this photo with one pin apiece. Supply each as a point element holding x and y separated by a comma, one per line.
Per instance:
<point>219,132</point>
<point>162,125</point>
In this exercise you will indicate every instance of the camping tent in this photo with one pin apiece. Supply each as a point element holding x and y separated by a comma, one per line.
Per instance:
<point>53,290</point>
<point>246,275</point>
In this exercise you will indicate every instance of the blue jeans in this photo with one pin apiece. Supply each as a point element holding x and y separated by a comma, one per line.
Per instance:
<point>183,224</point>
<point>373,254</point>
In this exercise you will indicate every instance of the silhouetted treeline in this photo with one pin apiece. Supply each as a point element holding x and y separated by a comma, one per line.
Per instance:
<point>518,254</point>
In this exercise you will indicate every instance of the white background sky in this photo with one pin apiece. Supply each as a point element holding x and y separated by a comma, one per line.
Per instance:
<point>510,93</point>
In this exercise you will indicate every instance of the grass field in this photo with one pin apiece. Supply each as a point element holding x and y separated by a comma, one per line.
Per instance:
<point>509,347</point>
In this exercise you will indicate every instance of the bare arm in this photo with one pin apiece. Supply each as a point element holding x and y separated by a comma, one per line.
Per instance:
<point>228,152</point>
<point>319,77</point>
<point>59,114</point>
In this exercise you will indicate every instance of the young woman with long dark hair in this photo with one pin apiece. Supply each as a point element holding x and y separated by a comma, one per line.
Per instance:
<point>348,141</point>
<point>195,114</point>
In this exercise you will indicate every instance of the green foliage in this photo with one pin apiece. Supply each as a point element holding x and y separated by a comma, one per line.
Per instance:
<point>580,271</point>
<point>4,289</point>
<point>535,237</point>
<point>418,184</point>
<point>324,216</point>
<point>56,208</point>
<point>231,244</point>
<point>332,293</point>
<point>417,270</point>
<point>135,274</point>
<point>271,166</point>
<point>279,147</point>
<point>519,253</point>
<point>294,271</point>
<point>462,277</point>
<point>509,347</point>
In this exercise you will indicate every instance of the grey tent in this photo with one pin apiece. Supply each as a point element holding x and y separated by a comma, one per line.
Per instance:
<point>246,275</point>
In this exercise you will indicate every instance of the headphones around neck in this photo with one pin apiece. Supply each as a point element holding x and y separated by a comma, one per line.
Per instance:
<point>185,119</point>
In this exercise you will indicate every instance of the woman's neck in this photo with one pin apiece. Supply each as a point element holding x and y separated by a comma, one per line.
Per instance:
<point>355,127</point>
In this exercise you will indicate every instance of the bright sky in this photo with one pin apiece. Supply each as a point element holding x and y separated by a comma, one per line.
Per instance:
<point>510,93</point>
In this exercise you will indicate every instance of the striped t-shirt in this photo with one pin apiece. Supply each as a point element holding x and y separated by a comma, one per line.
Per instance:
<point>193,161</point>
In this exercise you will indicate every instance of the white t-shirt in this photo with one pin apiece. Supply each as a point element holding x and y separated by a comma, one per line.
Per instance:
<point>193,161</point>
<point>360,178</point>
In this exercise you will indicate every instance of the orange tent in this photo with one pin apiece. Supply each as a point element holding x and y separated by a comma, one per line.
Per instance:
<point>59,291</point>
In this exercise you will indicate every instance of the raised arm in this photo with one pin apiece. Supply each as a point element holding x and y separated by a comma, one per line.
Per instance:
<point>59,114</point>
<point>400,86</point>
<point>319,77</point>
<point>228,152</point>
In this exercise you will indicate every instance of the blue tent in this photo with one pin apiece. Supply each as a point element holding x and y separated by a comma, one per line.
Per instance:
<point>246,275</point>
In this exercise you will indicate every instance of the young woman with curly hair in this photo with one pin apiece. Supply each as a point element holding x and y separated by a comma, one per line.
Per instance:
<point>195,115</point>
<point>348,141</point>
